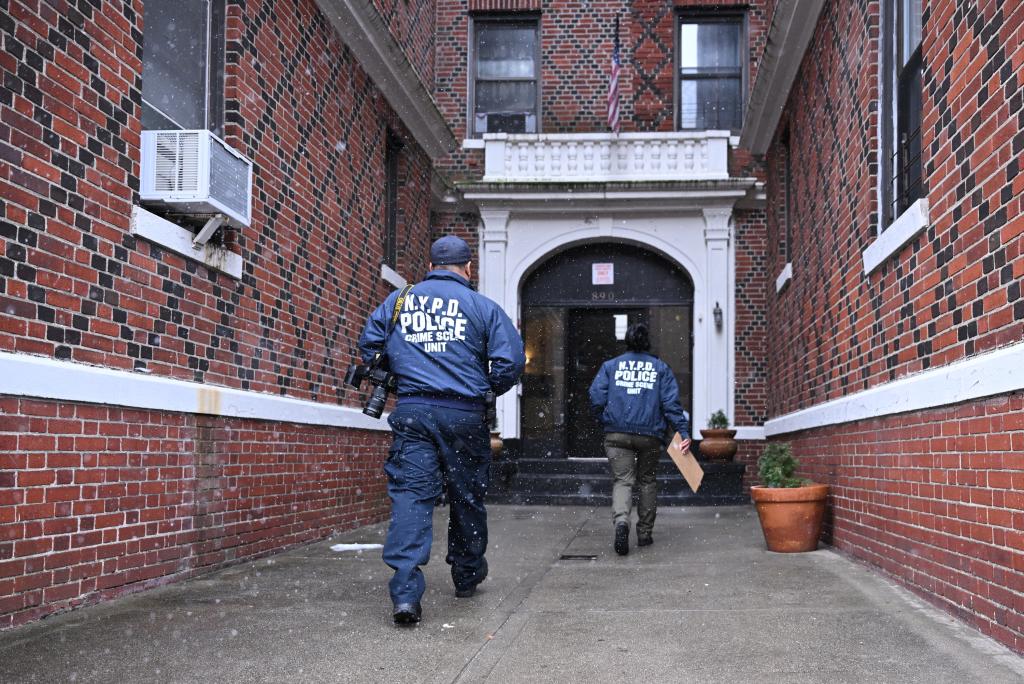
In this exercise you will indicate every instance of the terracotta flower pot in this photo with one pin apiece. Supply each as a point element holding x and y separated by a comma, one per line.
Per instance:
<point>791,516</point>
<point>718,445</point>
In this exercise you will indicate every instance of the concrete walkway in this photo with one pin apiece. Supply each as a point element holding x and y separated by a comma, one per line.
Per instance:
<point>705,603</point>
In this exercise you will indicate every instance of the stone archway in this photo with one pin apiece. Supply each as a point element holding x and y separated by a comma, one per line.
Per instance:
<point>575,306</point>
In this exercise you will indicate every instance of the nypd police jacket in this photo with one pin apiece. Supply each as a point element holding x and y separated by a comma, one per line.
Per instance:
<point>448,342</point>
<point>635,393</point>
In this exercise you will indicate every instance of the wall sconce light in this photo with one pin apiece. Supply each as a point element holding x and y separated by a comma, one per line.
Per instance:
<point>718,316</point>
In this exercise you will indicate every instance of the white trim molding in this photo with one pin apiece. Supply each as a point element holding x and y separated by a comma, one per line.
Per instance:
<point>392,277</point>
<point>905,228</point>
<point>750,433</point>
<point>43,378</point>
<point>792,28</point>
<point>146,224</point>
<point>784,277</point>
<point>606,157</point>
<point>998,372</point>
<point>366,33</point>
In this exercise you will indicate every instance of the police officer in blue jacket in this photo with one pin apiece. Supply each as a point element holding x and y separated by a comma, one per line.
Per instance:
<point>449,346</point>
<point>633,395</point>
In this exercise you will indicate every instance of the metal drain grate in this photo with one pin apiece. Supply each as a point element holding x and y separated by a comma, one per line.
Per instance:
<point>578,556</point>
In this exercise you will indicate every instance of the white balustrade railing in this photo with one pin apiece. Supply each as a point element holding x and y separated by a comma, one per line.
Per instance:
<point>603,157</point>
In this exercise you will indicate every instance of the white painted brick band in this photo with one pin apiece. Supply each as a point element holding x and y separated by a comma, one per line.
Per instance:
<point>998,372</point>
<point>42,378</point>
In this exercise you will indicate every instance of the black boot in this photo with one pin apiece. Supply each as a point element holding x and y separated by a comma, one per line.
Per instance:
<point>407,613</point>
<point>622,538</point>
<point>644,539</point>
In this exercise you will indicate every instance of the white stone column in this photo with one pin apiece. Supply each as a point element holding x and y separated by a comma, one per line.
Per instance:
<point>721,293</point>
<point>492,275</point>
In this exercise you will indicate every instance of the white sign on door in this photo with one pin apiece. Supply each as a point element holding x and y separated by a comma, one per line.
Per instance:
<point>602,274</point>
<point>621,324</point>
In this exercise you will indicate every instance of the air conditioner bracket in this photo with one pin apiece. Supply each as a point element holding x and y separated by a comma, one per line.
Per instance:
<point>208,230</point>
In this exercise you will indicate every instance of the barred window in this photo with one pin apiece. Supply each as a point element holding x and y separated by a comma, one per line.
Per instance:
<point>901,169</point>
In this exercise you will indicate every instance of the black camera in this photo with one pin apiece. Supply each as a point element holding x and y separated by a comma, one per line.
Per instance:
<point>380,377</point>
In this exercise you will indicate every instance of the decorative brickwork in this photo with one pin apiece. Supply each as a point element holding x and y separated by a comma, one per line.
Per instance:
<point>952,292</point>
<point>411,23</point>
<point>751,319</point>
<point>576,44</point>
<point>78,286</point>
<point>99,501</point>
<point>936,499</point>
<point>95,501</point>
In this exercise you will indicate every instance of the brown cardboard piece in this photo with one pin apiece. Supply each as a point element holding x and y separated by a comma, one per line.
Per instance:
<point>686,463</point>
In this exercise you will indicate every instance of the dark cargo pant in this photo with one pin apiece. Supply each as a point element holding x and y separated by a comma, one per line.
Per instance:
<point>634,461</point>
<point>430,440</point>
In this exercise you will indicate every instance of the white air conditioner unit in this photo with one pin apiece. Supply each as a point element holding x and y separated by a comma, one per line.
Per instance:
<point>195,172</point>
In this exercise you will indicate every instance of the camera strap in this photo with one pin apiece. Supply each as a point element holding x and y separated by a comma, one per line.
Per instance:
<point>399,303</point>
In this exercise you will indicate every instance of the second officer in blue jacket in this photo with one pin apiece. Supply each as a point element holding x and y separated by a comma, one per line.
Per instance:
<point>633,395</point>
<point>447,348</point>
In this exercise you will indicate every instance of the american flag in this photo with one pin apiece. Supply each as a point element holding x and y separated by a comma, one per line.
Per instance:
<point>613,85</point>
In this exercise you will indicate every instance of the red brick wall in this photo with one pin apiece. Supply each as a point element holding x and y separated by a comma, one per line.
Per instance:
<point>76,285</point>
<point>932,497</point>
<point>751,320</point>
<point>747,454</point>
<point>411,23</point>
<point>576,44</point>
<point>99,501</point>
<point>935,499</point>
<point>952,292</point>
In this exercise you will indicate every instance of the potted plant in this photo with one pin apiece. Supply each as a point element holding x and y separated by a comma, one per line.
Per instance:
<point>719,443</point>
<point>790,508</point>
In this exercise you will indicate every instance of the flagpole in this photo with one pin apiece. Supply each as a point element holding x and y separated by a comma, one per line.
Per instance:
<point>613,84</point>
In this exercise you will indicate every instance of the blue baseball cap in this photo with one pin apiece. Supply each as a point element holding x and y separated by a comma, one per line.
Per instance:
<point>450,250</point>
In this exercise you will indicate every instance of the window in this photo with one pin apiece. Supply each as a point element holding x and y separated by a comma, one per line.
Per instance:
<point>183,65</point>
<point>902,182</point>
<point>504,95</point>
<point>392,150</point>
<point>712,54</point>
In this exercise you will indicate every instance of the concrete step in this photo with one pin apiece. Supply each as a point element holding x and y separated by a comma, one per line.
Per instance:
<point>565,482</point>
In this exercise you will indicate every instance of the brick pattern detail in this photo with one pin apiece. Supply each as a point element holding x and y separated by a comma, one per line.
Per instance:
<point>576,44</point>
<point>751,319</point>
<point>747,454</point>
<point>411,23</point>
<point>954,291</point>
<point>652,53</point>
<point>76,285</point>
<point>96,501</point>
<point>935,499</point>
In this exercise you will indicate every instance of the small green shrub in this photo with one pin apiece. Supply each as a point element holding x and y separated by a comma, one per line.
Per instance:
<point>718,421</point>
<point>777,465</point>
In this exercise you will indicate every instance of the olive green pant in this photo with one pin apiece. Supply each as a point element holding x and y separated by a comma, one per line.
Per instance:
<point>634,461</point>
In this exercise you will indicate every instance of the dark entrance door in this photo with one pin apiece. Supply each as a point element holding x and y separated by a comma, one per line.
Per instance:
<point>575,310</point>
<point>592,340</point>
